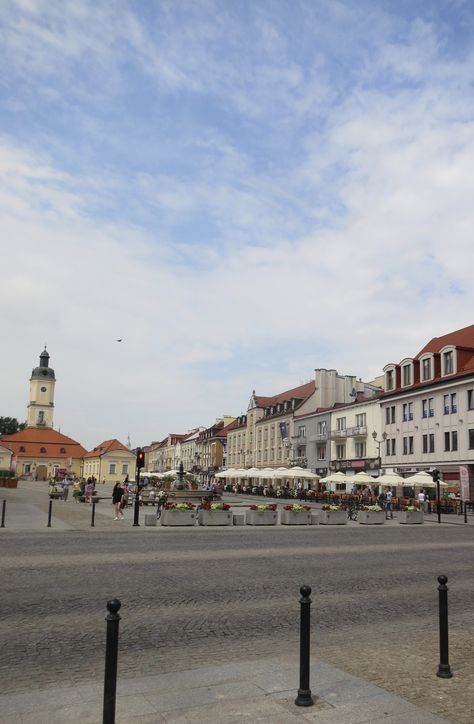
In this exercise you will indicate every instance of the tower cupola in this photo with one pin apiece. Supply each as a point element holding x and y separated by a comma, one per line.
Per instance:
<point>41,403</point>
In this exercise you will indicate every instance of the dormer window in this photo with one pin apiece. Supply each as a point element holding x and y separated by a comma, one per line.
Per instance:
<point>22,449</point>
<point>407,374</point>
<point>426,369</point>
<point>389,380</point>
<point>448,362</point>
<point>62,450</point>
<point>42,449</point>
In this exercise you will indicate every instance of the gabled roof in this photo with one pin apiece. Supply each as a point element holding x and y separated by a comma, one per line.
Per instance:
<point>106,447</point>
<point>460,338</point>
<point>30,441</point>
<point>301,392</point>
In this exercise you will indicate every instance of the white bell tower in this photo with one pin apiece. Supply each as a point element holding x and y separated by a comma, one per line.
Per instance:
<point>40,409</point>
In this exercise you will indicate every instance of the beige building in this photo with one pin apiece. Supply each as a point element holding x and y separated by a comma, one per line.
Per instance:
<point>5,457</point>
<point>109,461</point>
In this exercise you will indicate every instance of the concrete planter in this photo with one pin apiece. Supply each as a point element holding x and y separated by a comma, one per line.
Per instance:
<point>371,517</point>
<point>332,517</point>
<point>289,517</point>
<point>410,517</point>
<point>8,483</point>
<point>178,517</point>
<point>262,517</point>
<point>215,517</point>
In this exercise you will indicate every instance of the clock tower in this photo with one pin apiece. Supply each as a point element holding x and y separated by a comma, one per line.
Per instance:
<point>41,403</point>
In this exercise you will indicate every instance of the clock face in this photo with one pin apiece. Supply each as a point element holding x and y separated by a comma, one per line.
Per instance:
<point>43,389</point>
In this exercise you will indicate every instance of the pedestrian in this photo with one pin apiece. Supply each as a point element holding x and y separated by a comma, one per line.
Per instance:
<point>117,499</point>
<point>76,491</point>
<point>89,492</point>
<point>388,504</point>
<point>421,499</point>
<point>382,499</point>
<point>65,489</point>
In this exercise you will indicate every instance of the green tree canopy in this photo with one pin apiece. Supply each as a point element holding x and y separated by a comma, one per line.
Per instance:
<point>10,425</point>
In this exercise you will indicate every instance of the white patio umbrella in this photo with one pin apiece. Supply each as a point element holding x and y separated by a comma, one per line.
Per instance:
<point>335,478</point>
<point>422,480</point>
<point>362,479</point>
<point>297,472</point>
<point>225,473</point>
<point>390,479</point>
<point>252,473</point>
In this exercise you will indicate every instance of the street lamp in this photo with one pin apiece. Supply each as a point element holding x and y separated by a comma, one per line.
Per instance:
<point>378,443</point>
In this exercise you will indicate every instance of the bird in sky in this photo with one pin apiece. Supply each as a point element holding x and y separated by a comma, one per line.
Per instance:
<point>120,340</point>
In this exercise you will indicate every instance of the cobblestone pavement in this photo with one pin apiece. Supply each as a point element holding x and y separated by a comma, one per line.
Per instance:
<point>196,597</point>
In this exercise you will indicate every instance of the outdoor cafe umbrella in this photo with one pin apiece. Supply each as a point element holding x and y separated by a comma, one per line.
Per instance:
<point>390,479</point>
<point>296,472</point>
<point>335,478</point>
<point>231,473</point>
<point>422,480</point>
<point>363,479</point>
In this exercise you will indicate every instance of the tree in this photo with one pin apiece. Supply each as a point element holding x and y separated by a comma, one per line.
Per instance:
<point>10,425</point>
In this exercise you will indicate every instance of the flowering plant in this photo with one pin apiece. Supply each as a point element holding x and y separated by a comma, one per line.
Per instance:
<point>179,506</point>
<point>297,508</point>
<point>264,506</point>
<point>331,507</point>
<point>207,505</point>
<point>373,508</point>
<point>410,508</point>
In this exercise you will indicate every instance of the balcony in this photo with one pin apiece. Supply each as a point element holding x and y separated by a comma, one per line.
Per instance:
<point>337,434</point>
<point>319,437</point>
<point>358,431</point>
<point>299,439</point>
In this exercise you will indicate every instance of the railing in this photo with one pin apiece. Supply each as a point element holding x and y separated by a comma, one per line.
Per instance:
<point>338,433</point>
<point>358,431</point>
<point>319,437</point>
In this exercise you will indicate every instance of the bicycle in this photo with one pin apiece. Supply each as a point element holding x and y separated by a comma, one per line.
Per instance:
<point>351,509</point>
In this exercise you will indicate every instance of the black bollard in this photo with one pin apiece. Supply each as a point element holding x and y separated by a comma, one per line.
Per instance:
<point>3,513</point>
<point>93,515</point>
<point>465,511</point>
<point>49,513</point>
<point>304,697</point>
<point>111,656</point>
<point>444,669</point>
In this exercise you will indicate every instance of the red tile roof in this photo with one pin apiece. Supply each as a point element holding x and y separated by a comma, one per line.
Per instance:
<point>106,447</point>
<point>301,392</point>
<point>35,439</point>
<point>460,338</point>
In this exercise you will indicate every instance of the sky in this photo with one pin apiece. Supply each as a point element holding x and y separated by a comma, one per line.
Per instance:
<point>241,190</point>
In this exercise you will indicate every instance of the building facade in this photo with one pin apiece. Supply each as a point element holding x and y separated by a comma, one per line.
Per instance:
<point>427,410</point>
<point>110,461</point>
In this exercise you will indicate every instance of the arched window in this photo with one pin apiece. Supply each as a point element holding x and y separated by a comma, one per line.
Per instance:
<point>42,449</point>
<point>62,449</point>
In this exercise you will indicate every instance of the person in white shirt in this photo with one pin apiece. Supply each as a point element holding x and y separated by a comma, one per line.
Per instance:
<point>388,503</point>
<point>422,500</point>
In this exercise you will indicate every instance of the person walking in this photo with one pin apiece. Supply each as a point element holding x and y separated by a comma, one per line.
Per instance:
<point>421,499</point>
<point>117,497</point>
<point>388,504</point>
<point>65,489</point>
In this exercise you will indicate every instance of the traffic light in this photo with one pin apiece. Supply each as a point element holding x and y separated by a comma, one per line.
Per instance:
<point>436,476</point>
<point>140,458</point>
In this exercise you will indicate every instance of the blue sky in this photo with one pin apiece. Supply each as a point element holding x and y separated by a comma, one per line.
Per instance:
<point>243,191</point>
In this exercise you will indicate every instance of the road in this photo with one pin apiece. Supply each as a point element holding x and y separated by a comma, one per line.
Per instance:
<point>196,596</point>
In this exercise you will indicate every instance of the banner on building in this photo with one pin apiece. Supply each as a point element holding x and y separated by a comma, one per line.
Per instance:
<point>464,480</point>
<point>285,437</point>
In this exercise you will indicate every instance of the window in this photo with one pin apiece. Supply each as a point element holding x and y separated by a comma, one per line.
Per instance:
<point>111,468</point>
<point>125,469</point>
<point>431,406</point>
<point>390,446</point>
<point>470,399</point>
<point>424,408</point>
<point>27,468</point>
<point>405,446</point>
<point>410,410</point>
<point>321,452</point>
<point>389,380</point>
<point>426,369</point>
<point>387,415</point>
<point>431,447</point>
<point>425,444</point>
<point>410,445</point>
<point>448,363</point>
<point>302,431</point>
<point>62,450</point>
<point>22,449</point>
<point>446,404</point>
<point>447,442</point>
<point>387,447</point>
<point>405,412</point>
<point>471,439</point>
<point>407,374</point>
<point>340,452</point>
<point>41,417</point>
<point>361,419</point>
<point>454,407</point>
<point>454,440</point>
<point>42,450</point>
<point>360,449</point>
<point>340,423</point>
<point>394,445</point>
<point>322,427</point>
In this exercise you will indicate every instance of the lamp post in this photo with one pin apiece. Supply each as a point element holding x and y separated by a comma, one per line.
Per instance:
<point>378,443</point>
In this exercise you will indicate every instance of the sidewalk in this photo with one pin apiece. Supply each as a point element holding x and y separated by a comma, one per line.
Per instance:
<point>256,691</point>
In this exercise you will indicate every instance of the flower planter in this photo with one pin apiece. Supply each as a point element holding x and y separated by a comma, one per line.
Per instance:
<point>8,483</point>
<point>371,517</point>
<point>215,517</point>
<point>261,517</point>
<point>178,517</point>
<point>289,517</point>
<point>333,517</point>
<point>410,517</point>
